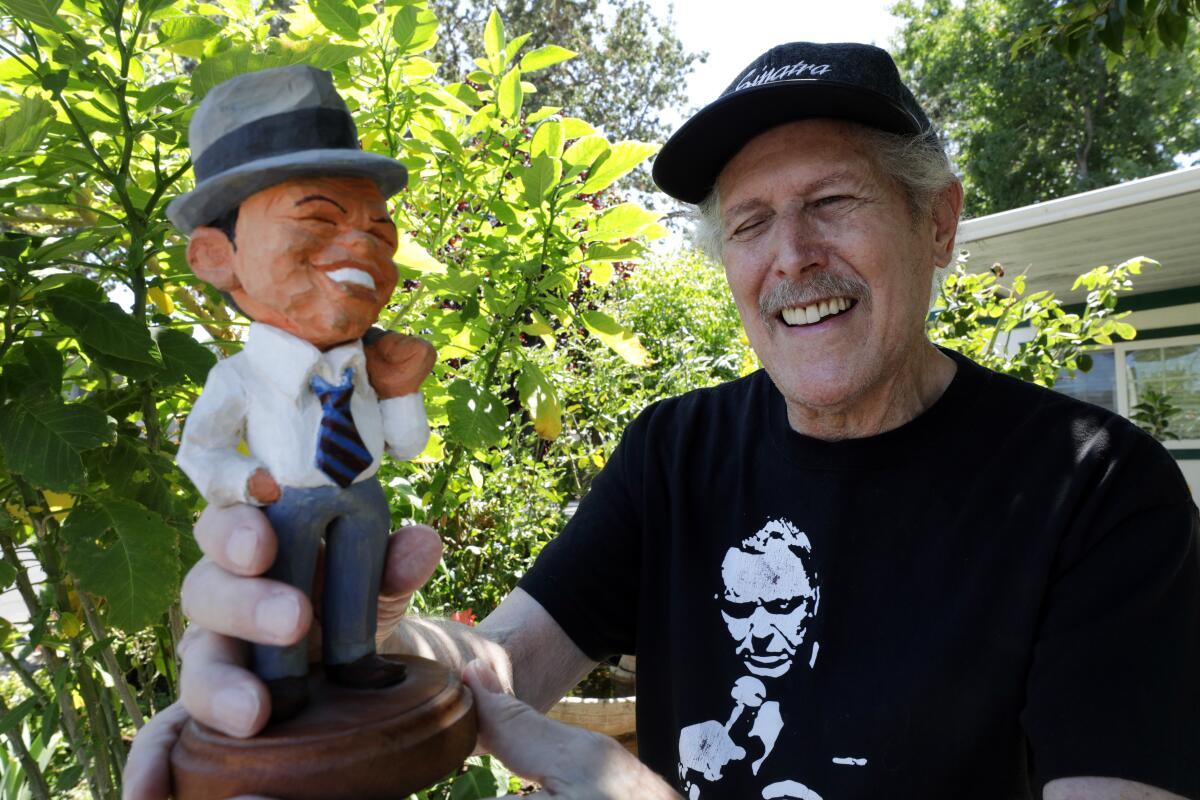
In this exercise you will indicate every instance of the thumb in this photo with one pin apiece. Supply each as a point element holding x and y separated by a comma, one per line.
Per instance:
<point>529,744</point>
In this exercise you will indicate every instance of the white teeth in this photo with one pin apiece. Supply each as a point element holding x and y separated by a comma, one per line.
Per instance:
<point>351,275</point>
<point>807,315</point>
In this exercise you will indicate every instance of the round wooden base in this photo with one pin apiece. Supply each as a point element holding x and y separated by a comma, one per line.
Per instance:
<point>375,743</point>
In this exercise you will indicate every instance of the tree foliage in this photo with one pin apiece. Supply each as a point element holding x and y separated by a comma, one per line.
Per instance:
<point>1039,125</point>
<point>1122,26</point>
<point>630,66</point>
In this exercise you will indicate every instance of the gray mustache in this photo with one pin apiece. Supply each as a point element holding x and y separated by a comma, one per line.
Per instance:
<point>819,286</point>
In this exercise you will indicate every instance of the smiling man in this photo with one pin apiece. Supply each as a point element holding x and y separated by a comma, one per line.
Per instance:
<point>920,578</point>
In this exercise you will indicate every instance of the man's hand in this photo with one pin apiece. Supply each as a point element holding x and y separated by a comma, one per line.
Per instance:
<point>396,365</point>
<point>568,762</point>
<point>227,602</point>
<point>262,487</point>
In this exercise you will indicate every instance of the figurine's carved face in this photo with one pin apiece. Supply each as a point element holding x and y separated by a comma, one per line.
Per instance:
<point>313,257</point>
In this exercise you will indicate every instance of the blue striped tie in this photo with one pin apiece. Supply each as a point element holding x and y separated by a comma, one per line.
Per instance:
<point>341,453</point>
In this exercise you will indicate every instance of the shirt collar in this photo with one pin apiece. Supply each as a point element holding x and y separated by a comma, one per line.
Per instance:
<point>288,362</point>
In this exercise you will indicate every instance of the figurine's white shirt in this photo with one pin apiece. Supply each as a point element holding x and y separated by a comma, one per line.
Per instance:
<point>262,396</point>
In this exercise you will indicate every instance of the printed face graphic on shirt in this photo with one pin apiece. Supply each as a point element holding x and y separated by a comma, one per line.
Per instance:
<point>769,596</point>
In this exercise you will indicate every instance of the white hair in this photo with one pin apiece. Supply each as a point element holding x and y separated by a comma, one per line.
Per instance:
<point>918,163</point>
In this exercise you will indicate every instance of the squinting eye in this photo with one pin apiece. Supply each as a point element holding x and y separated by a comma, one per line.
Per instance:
<point>831,200</point>
<point>746,228</point>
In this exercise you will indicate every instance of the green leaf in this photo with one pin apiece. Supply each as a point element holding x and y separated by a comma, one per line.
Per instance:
<point>476,416</point>
<point>584,152</point>
<point>476,783</point>
<point>184,357</point>
<point>413,256</point>
<point>320,53</point>
<point>621,222</point>
<point>139,474</point>
<point>187,35</point>
<point>8,574</point>
<point>513,47</point>
<point>493,35</point>
<point>415,29</point>
<point>539,397</point>
<point>17,713</point>
<point>546,56</point>
<point>103,327</point>
<point>22,132</point>
<point>43,438</point>
<point>539,179</point>
<point>127,554</point>
<point>510,95</point>
<point>620,161</point>
<point>602,272</point>
<point>221,67</point>
<point>39,12</point>
<point>158,94</point>
<point>339,16</point>
<point>547,140</point>
<point>45,361</point>
<point>619,339</point>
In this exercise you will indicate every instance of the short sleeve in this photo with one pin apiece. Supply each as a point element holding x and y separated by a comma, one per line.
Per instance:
<point>587,578</point>
<point>1114,686</point>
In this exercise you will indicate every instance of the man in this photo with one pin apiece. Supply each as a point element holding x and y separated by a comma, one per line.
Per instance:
<point>289,219</point>
<point>1009,592</point>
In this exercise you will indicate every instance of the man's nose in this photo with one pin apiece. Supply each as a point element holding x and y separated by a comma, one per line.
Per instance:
<point>798,246</point>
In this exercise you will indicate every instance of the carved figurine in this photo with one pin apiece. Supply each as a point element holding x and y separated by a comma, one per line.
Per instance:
<point>288,219</point>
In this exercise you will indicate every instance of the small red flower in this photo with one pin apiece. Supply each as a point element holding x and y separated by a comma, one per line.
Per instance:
<point>466,616</point>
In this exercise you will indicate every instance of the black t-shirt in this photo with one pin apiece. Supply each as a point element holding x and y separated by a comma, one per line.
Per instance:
<point>1004,591</point>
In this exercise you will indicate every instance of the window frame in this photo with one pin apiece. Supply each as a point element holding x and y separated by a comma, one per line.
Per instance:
<point>1121,375</point>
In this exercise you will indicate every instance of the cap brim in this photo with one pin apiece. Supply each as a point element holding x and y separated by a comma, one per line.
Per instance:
<point>688,164</point>
<point>213,197</point>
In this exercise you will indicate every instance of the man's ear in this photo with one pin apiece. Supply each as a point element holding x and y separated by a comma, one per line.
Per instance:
<point>210,254</point>
<point>946,209</point>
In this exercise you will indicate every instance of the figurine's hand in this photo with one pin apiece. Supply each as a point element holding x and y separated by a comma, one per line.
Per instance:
<point>568,762</point>
<point>262,487</point>
<point>227,602</point>
<point>398,364</point>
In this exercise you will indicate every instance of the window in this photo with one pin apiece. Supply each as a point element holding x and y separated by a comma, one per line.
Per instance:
<point>1173,369</point>
<point>1098,385</point>
<point>1121,375</point>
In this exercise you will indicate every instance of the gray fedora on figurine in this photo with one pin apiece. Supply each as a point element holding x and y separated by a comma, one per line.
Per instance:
<point>262,128</point>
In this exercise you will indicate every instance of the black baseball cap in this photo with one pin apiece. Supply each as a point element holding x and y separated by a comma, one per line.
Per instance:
<point>800,80</point>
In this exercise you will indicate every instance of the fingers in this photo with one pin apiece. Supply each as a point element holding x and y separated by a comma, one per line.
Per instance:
<point>147,773</point>
<point>413,555</point>
<point>531,745</point>
<point>568,762</point>
<point>254,609</point>
<point>216,688</point>
<point>238,538</point>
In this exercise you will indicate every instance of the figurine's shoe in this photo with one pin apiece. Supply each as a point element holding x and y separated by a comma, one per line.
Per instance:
<point>288,696</point>
<point>369,672</point>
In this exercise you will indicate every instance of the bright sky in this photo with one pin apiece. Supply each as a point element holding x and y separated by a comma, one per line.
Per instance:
<point>735,32</point>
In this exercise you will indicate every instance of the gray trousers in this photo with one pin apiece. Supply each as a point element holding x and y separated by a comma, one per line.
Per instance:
<point>354,522</point>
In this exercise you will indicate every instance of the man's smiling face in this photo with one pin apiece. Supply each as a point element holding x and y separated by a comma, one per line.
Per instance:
<point>314,257</point>
<point>830,272</point>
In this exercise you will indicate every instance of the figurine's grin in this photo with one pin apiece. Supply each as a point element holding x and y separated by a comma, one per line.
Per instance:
<point>349,276</point>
